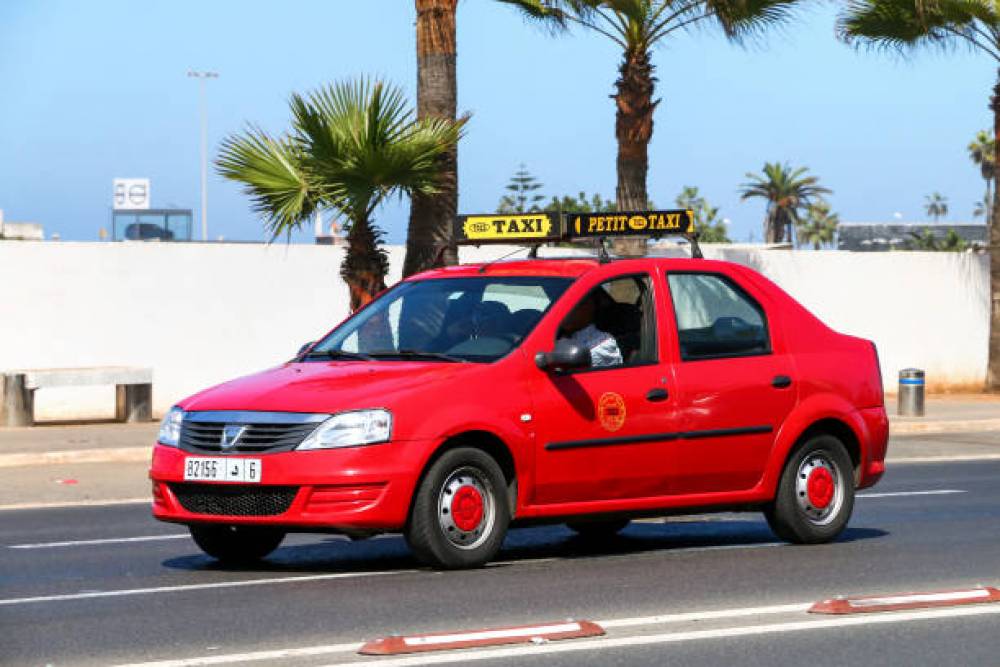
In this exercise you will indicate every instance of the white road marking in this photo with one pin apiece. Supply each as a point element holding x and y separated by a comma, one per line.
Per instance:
<point>921,597</point>
<point>901,494</point>
<point>276,654</point>
<point>677,637</point>
<point>110,540</point>
<point>64,504</point>
<point>606,642</point>
<point>685,617</point>
<point>196,587</point>
<point>490,634</point>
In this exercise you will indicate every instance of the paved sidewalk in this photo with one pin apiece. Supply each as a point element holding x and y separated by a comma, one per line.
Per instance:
<point>960,413</point>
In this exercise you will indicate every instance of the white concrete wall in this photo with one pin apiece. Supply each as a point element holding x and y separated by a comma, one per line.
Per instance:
<point>199,314</point>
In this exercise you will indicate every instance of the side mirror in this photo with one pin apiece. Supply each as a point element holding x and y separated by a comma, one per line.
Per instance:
<point>305,347</point>
<point>565,356</point>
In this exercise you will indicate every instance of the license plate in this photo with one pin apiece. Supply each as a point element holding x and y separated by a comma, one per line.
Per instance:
<point>219,469</point>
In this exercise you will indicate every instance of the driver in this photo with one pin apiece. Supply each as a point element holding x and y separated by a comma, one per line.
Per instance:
<point>579,328</point>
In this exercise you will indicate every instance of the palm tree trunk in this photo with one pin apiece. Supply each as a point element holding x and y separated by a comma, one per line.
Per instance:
<point>993,364</point>
<point>432,216</point>
<point>634,128</point>
<point>774,225</point>
<point>989,205</point>
<point>365,266</point>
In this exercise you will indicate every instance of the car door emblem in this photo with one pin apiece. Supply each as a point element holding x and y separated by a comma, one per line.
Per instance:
<point>231,434</point>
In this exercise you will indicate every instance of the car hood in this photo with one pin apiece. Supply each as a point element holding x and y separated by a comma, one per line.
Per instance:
<point>326,386</point>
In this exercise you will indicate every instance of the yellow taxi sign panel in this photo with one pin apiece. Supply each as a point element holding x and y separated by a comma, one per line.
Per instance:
<point>631,223</point>
<point>501,228</point>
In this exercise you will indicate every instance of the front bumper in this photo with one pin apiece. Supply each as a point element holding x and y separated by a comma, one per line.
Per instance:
<point>352,488</point>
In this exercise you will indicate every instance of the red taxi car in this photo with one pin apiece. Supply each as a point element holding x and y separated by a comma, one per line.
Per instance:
<point>468,399</point>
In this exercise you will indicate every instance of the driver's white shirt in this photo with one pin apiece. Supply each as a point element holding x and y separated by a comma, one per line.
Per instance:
<point>602,345</point>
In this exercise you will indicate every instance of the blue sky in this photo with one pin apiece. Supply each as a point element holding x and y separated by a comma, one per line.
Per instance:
<point>96,90</point>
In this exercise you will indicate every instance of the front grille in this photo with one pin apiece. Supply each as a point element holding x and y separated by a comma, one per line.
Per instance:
<point>234,500</point>
<point>200,436</point>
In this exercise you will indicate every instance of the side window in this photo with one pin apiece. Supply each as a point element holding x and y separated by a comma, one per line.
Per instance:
<point>616,321</point>
<point>716,318</point>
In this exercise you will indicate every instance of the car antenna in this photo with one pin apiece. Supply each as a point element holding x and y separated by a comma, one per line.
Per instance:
<point>486,265</point>
<point>602,250</point>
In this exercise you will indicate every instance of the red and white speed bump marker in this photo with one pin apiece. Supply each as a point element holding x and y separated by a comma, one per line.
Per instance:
<point>904,601</point>
<point>522,634</point>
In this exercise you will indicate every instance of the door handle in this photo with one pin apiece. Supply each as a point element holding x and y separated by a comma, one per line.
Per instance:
<point>781,382</point>
<point>658,394</point>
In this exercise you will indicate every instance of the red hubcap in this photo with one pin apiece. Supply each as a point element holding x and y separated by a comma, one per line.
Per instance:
<point>467,508</point>
<point>820,488</point>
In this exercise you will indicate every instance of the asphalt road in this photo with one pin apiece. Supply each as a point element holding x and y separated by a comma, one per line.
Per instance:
<point>68,596</point>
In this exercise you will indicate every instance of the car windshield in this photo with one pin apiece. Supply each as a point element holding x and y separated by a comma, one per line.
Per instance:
<point>448,319</point>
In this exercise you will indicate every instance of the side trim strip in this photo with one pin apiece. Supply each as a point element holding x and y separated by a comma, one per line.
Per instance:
<point>657,437</point>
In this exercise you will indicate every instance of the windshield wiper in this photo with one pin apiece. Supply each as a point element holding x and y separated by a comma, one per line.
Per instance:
<point>340,354</point>
<point>418,354</point>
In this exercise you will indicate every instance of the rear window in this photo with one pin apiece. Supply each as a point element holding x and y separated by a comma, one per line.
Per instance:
<point>716,318</point>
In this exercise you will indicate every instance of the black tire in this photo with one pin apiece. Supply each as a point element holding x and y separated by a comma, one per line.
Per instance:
<point>795,515</point>
<point>600,529</point>
<point>236,545</point>
<point>443,530</point>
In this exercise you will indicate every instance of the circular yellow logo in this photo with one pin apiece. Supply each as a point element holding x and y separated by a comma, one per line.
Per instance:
<point>637,222</point>
<point>611,411</point>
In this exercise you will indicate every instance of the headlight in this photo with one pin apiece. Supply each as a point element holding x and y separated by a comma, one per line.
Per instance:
<point>348,429</point>
<point>170,427</point>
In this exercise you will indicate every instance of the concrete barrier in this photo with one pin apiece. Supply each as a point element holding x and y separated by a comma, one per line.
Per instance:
<point>199,314</point>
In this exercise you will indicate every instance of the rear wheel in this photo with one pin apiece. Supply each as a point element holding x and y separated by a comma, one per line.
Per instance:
<point>815,495</point>
<point>236,545</point>
<point>593,530</point>
<point>460,511</point>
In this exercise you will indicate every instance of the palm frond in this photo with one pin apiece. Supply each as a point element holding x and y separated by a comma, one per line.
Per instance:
<point>740,19</point>
<point>909,24</point>
<point>273,176</point>
<point>351,145</point>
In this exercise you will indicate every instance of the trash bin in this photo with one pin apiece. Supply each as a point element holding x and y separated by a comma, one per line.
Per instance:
<point>911,393</point>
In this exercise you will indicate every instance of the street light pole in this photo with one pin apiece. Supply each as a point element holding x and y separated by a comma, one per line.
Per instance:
<point>202,76</point>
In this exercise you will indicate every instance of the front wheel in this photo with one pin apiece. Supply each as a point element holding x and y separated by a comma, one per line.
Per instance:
<point>460,511</point>
<point>236,545</point>
<point>815,495</point>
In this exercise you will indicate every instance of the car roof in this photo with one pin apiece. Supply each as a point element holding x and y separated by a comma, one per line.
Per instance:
<point>569,267</point>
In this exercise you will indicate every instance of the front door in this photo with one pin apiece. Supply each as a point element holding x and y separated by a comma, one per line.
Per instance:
<point>735,381</point>
<point>598,429</point>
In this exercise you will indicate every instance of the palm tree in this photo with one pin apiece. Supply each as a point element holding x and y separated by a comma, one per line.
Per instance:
<point>982,152</point>
<point>911,24</point>
<point>636,26</point>
<point>936,206</point>
<point>351,145</point>
<point>819,226</point>
<point>428,238</point>
<point>786,190</point>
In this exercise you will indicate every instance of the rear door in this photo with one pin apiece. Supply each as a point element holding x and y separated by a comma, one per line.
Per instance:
<point>735,382</point>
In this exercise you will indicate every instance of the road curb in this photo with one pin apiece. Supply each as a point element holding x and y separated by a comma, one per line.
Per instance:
<point>105,455</point>
<point>967,426</point>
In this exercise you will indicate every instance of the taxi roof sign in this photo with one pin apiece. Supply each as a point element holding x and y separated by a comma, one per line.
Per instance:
<point>507,228</point>
<point>630,223</point>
